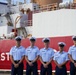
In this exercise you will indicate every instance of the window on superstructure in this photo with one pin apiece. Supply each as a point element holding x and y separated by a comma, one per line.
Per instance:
<point>34,7</point>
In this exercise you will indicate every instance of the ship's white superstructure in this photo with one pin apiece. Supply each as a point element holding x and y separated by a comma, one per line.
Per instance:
<point>39,21</point>
<point>54,23</point>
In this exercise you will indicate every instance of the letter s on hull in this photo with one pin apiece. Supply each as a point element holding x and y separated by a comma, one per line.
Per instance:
<point>2,56</point>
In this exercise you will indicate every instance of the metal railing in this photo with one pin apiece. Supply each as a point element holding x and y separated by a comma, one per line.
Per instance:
<point>26,23</point>
<point>73,6</point>
<point>29,23</point>
<point>54,6</point>
<point>49,7</point>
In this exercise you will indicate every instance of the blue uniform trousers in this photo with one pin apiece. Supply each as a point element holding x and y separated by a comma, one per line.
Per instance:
<point>31,69</point>
<point>72,69</point>
<point>61,71</point>
<point>46,71</point>
<point>18,70</point>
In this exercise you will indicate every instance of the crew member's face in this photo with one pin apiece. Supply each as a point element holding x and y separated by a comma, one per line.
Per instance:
<point>32,43</point>
<point>61,48</point>
<point>18,43</point>
<point>46,44</point>
<point>74,41</point>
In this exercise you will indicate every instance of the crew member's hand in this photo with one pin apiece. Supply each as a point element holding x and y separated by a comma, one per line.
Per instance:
<point>59,65</point>
<point>45,65</point>
<point>16,65</point>
<point>30,63</point>
<point>33,61</point>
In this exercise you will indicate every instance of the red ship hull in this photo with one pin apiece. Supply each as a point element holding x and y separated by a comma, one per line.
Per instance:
<point>5,46</point>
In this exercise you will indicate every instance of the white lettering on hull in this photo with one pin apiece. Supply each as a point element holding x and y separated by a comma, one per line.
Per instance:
<point>4,56</point>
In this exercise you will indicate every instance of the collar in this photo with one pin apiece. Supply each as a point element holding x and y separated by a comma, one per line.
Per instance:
<point>61,52</point>
<point>18,47</point>
<point>74,46</point>
<point>46,49</point>
<point>31,47</point>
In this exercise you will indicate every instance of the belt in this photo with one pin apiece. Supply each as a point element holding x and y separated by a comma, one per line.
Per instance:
<point>45,62</point>
<point>33,62</point>
<point>63,65</point>
<point>16,61</point>
<point>30,60</point>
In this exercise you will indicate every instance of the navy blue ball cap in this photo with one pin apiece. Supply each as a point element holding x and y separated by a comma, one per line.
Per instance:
<point>18,38</point>
<point>45,40</point>
<point>74,38</point>
<point>61,44</point>
<point>32,39</point>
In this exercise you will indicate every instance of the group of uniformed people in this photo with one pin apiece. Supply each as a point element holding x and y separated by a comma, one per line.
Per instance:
<point>45,55</point>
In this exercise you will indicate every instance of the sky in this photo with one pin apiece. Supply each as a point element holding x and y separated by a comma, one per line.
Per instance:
<point>14,1</point>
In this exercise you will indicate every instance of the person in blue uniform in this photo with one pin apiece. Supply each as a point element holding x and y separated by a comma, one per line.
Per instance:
<point>17,54</point>
<point>46,56</point>
<point>31,56</point>
<point>72,57</point>
<point>60,59</point>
